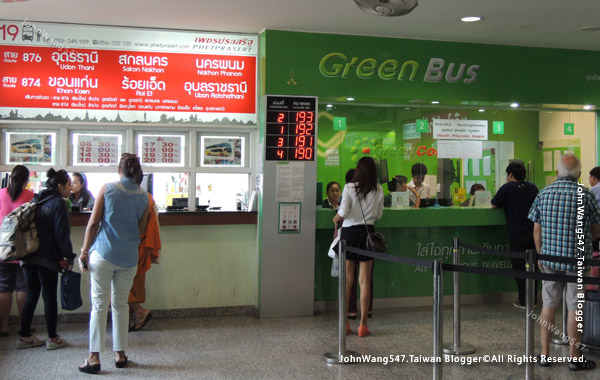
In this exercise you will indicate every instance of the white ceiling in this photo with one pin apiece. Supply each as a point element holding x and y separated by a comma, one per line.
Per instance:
<point>546,23</point>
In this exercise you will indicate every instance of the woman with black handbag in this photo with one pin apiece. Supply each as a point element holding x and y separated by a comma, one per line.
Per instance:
<point>361,206</point>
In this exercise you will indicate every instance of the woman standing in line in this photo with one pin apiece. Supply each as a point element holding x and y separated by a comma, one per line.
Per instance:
<point>110,253</point>
<point>11,273</point>
<point>362,205</point>
<point>55,254</point>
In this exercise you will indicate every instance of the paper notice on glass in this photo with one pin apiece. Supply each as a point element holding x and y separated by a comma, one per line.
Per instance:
<point>471,149</point>
<point>448,149</point>
<point>548,161</point>
<point>290,182</point>
<point>476,167</point>
<point>459,149</point>
<point>486,166</point>
<point>557,156</point>
<point>483,199</point>
<point>400,199</point>
<point>465,166</point>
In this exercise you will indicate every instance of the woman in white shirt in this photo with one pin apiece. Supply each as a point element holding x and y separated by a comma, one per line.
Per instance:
<point>363,192</point>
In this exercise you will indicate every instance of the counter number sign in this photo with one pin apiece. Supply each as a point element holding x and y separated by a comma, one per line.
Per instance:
<point>569,129</point>
<point>291,131</point>
<point>498,127</point>
<point>423,125</point>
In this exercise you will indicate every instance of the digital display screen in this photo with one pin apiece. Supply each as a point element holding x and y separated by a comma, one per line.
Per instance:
<point>291,128</point>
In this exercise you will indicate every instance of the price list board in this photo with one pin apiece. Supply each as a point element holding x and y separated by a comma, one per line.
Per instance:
<point>291,130</point>
<point>161,150</point>
<point>96,149</point>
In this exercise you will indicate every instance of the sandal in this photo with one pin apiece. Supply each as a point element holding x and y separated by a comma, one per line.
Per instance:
<point>581,364</point>
<point>89,368</point>
<point>122,363</point>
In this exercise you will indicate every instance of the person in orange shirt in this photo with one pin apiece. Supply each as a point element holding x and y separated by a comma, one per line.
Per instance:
<point>149,251</point>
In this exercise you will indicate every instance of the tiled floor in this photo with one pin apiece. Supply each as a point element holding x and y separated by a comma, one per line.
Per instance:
<point>243,347</point>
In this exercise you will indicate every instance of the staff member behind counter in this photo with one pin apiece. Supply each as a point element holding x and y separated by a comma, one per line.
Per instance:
<point>398,184</point>
<point>418,172</point>
<point>80,195</point>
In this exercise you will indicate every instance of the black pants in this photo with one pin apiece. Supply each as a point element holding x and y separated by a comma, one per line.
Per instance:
<point>38,280</point>
<point>522,243</point>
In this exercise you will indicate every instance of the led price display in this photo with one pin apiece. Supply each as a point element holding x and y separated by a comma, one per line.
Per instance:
<point>291,129</point>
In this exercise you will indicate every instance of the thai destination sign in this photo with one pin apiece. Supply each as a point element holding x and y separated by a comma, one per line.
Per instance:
<point>59,72</point>
<point>452,129</point>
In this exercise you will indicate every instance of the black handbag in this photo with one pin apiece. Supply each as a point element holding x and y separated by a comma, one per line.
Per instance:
<point>375,241</point>
<point>70,290</point>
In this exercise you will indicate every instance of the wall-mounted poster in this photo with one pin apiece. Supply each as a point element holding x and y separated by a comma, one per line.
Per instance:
<point>30,148</point>
<point>222,151</point>
<point>96,149</point>
<point>161,150</point>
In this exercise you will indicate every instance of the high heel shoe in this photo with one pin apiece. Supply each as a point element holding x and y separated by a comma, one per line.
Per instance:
<point>348,329</point>
<point>89,368</point>
<point>363,331</point>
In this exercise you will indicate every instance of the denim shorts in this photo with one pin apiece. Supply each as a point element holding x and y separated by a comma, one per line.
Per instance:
<point>11,278</point>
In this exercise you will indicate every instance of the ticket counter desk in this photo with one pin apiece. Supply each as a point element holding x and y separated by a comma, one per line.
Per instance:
<point>424,234</point>
<point>208,263</point>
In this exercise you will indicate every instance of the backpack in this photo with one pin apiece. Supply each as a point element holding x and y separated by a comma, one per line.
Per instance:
<point>18,233</point>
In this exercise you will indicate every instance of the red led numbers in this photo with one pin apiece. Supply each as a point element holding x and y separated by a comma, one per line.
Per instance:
<point>290,129</point>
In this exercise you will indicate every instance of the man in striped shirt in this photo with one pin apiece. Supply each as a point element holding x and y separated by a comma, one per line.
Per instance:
<point>565,216</point>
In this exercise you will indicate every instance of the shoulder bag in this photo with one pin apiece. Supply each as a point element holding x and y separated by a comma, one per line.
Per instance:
<point>375,241</point>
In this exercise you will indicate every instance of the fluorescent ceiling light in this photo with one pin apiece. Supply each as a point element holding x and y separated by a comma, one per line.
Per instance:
<point>470,19</point>
<point>514,105</point>
<point>435,102</point>
<point>482,110</point>
<point>330,106</point>
<point>350,99</point>
<point>588,107</point>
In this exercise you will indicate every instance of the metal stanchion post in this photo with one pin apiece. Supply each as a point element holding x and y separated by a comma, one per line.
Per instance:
<point>529,326</point>
<point>565,315</point>
<point>342,352</point>
<point>456,347</point>
<point>438,323</point>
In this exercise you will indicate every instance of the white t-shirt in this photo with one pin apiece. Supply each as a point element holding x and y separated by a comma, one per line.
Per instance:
<point>372,206</point>
<point>423,191</point>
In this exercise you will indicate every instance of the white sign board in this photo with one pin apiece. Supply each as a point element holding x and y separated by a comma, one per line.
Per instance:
<point>161,150</point>
<point>451,129</point>
<point>96,149</point>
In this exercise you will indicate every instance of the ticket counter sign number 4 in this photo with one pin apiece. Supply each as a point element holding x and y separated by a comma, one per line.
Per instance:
<point>161,150</point>
<point>94,149</point>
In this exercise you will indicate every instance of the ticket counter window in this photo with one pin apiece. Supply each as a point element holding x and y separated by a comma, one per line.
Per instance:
<point>37,180</point>
<point>222,190</point>
<point>167,186</point>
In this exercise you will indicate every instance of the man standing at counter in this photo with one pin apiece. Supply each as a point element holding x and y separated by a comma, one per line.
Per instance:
<point>516,197</point>
<point>555,213</point>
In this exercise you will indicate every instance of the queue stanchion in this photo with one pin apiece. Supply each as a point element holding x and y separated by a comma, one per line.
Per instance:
<point>457,347</point>
<point>529,325</point>
<point>338,358</point>
<point>565,316</point>
<point>438,326</point>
